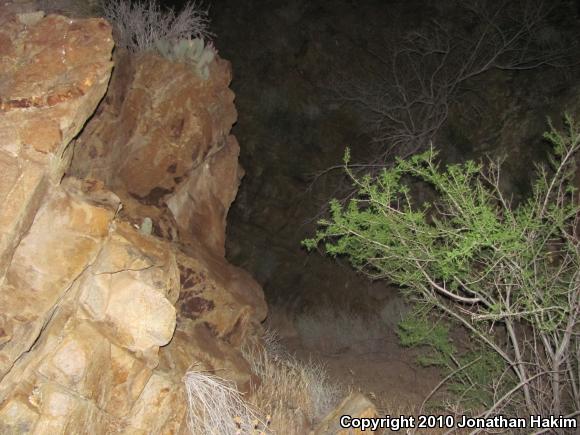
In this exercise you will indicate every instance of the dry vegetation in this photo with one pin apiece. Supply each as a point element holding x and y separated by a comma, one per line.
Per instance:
<point>292,397</point>
<point>216,407</point>
<point>406,98</point>
<point>295,395</point>
<point>139,25</point>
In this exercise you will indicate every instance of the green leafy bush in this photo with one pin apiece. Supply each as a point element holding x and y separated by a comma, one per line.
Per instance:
<point>481,260</point>
<point>471,376</point>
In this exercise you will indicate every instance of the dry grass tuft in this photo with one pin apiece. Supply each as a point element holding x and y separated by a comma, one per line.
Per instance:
<point>294,394</point>
<point>139,25</point>
<point>216,407</point>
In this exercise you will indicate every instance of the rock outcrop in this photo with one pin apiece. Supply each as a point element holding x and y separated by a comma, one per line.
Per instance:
<point>100,315</point>
<point>162,137</point>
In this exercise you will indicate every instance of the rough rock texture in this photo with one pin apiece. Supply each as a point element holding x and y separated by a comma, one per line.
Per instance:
<point>162,135</point>
<point>357,406</point>
<point>53,72</point>
<point>200,205</point>
<point>101,318</point>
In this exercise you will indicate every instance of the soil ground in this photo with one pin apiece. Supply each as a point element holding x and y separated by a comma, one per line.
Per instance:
<point>388,375</point>
<point>381,369</point>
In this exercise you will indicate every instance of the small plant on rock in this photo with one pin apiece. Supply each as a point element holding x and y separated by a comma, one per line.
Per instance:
<point>179,37</point>
<point>194,52</point>
<point>140,25</point>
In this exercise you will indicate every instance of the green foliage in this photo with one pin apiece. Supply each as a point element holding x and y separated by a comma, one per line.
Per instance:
<point>470,375</point>
<point>477,385</point>
<point>415,331</point>
<point>475,257</point>
<point>191,51</point>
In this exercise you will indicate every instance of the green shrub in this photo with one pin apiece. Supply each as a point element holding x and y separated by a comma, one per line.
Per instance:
<point>471,376</point>
<point>480,260</point>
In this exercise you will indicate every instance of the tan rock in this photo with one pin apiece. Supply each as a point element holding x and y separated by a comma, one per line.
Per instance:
<point>62,241</point>
<point>66,378</point>
<point>356,405</point>
<point>167,122</point>
<point>200,205</point>
<point>163,222</point>
<point>129,377</point>
<point>64,413</point>
<point>198,347</point>
<point>23,191</point>
<point>140,317</point>
<point>53,72</point>
<point>17,416</point>
<point>127,288</point>
<point>100,319</point>
<point>79,360</point>
<point>220,295</point>
<point>88,374</point>
<point>167,399</point>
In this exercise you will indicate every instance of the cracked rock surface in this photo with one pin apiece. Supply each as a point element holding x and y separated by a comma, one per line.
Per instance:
<point>100,319</point>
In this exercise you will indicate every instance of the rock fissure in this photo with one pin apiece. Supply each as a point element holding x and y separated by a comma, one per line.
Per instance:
<point>129,270</point>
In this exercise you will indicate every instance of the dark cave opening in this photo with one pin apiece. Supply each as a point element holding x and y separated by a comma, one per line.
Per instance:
<point>287,58</point>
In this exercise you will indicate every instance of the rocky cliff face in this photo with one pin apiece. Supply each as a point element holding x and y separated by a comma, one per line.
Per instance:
<point>113,281</point>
